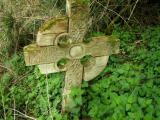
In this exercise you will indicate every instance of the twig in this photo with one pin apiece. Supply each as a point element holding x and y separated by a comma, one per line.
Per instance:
<point>108,3</point>
<point>47,90</point>
<point>1,54</point>
<point>113,12</point>
<point>24,115</point>
<point>133,9</point>
<point>14,109</point>
<point>4,110</point>
<point>55,4</point>
<point>9,70</point>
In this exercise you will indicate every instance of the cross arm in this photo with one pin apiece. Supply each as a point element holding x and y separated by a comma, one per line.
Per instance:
<point>35,54</point>
<point>100,46</point>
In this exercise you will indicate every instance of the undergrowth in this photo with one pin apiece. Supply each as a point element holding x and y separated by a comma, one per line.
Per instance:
<point>128,88</point>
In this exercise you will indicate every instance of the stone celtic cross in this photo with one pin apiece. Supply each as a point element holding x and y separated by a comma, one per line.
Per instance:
<point>62,38</point>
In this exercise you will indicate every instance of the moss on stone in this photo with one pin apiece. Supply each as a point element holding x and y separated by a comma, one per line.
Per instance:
<point>50,23</point>
<point>113,40</point>
<point>86,60</point>
<point>31,48</point>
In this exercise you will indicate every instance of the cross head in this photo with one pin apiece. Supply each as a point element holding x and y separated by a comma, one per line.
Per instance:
<point>62,39</point>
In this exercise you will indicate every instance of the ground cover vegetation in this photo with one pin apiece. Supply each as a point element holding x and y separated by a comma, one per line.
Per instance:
<point>127,89</point>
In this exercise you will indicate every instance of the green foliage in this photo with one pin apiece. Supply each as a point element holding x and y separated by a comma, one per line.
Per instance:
<point>128,88</point>
<point>76,96</point>
<point>86,59</point>
<point>93,34</point>
<point>62,62</point>
<point>28,89</point>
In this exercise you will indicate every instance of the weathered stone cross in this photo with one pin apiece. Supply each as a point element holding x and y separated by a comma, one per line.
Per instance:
<point>62,38</point>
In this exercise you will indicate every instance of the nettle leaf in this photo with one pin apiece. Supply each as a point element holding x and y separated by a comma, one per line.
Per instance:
<point>78,100</point>
<point>148,117</point>
<point>84,84</point>
<point>131,115</point>
<point>125,85</point>
<point>93,111</point>
<point>131,99</point>
<point>150,109</point>
<point>139,115</point>
<point>141,102</point>
<point>121,71</point>
<point>6,79</point>
<point>76,92</point>
<point>114,96</point>
<point>128,107</point>
<point>144,102</point>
